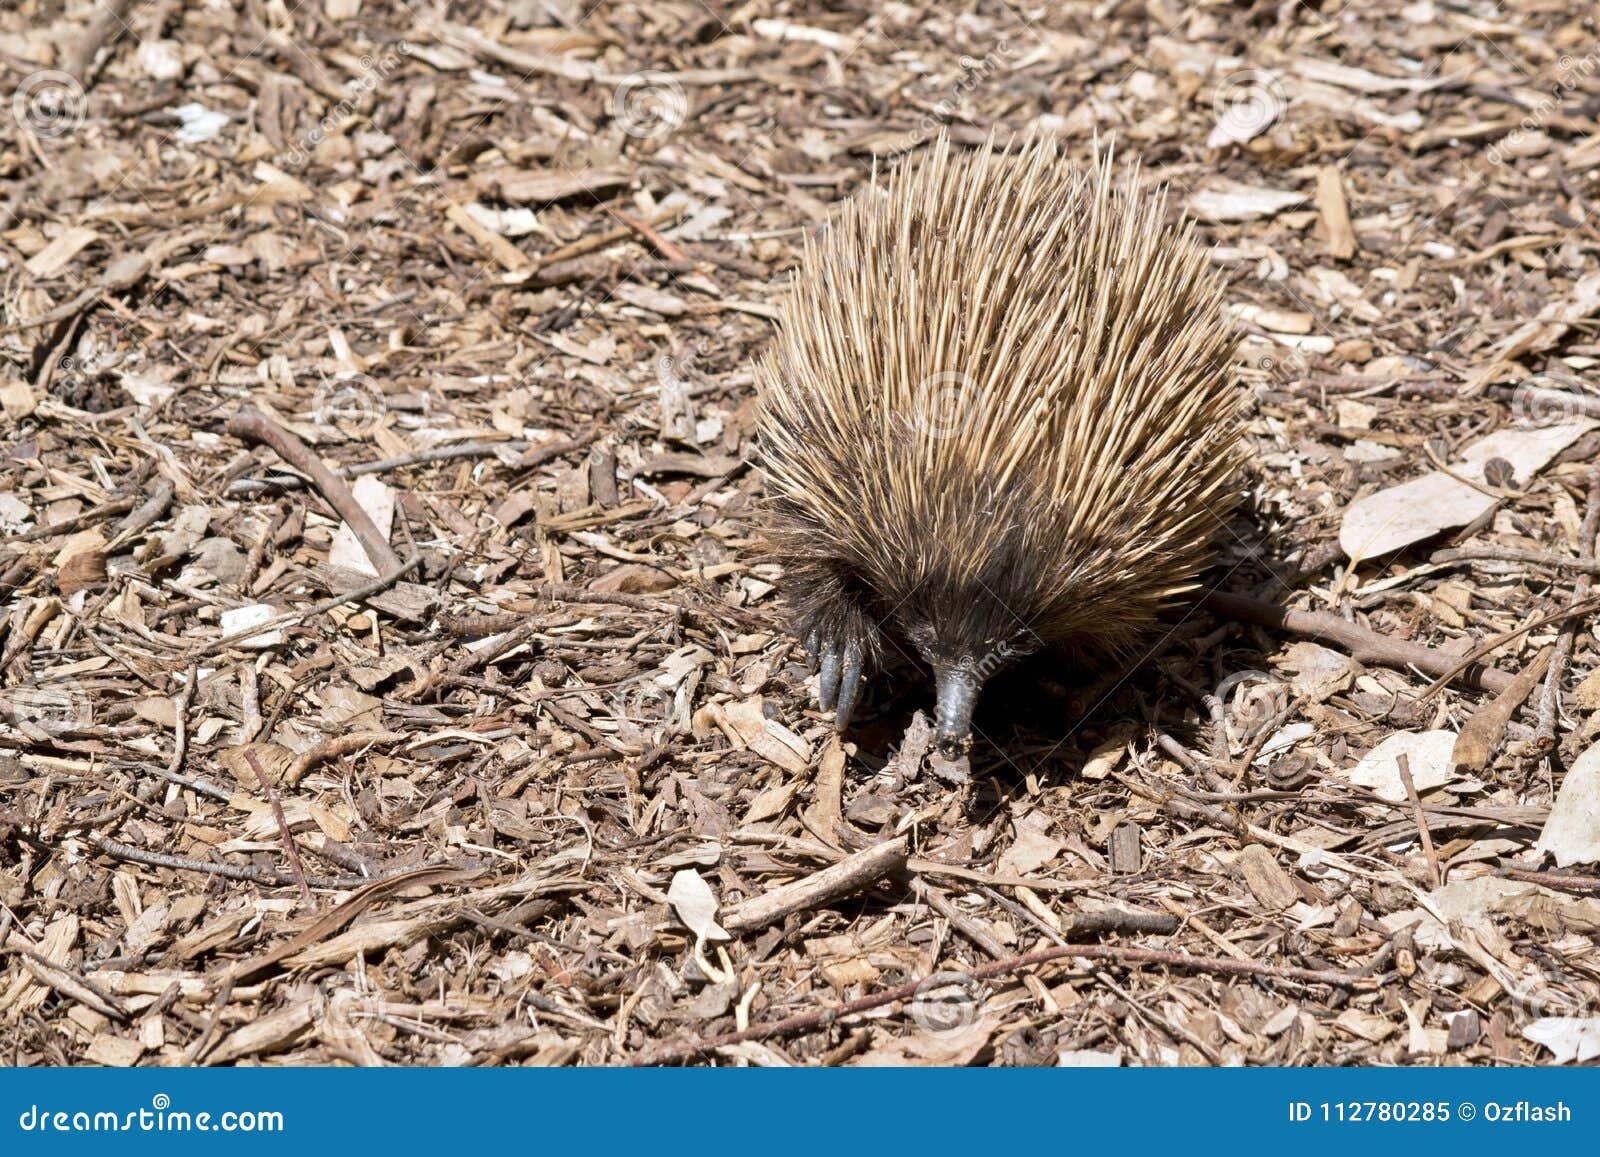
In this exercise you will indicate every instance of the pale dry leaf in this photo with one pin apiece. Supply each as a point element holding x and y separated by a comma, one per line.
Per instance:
<point>1428,757</point>
<point>377,498</point>
<point>695,904</point>
<point>1223,200</point>
<point>236,619</point>
<point>1572,832</point>
<point>950,1048</point>
<point>1398,516</point>
<point>1570,1038</point>
<point>1032,849</point>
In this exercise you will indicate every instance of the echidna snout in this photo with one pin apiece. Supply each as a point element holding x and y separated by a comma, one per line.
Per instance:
<point>958,693</point>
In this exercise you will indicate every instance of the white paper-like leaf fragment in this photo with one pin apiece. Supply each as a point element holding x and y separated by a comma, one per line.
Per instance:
<point>1427,757</point>
<point>236,619</point>
<point>1222,200</point>
<point>1570,1038</point>
<point>695,904</point>
<point>1572,833</point>
<point>1401,515</point>
<point>377,498</point>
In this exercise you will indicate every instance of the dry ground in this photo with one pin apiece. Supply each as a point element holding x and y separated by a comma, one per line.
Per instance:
<point>528,248</point>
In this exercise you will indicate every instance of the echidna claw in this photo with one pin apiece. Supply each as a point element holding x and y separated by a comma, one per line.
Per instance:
<point>849,688</point>
<point>811,651</point>
<point>828,684</point>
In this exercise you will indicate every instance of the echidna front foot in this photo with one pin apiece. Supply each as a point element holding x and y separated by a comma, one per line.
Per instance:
<point>842,647</point>
<point>839,686</point>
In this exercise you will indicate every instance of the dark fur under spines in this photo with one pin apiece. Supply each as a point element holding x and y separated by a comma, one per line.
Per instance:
<point>997,418</point>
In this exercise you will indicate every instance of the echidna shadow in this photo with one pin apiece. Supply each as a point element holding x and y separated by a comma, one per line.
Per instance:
<point>998,421</point>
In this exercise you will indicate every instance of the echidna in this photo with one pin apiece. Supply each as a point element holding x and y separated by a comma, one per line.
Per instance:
<point>998,417</point>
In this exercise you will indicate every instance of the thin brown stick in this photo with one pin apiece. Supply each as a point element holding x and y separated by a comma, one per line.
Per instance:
<point>71,985</point>
<point>147,512</point>
<point>252,425</point>
<point>667,249</point>
<point>295,866</point>
<point>1495,642</point>
<point>1513,554</point>
<point>348,909</point>
<point>333,747</point>
<point>381,583</point>
<point>1544,733</point>
<point>984,939</point>
<point>531,455</point>
<point>1402,764</point>
<point>1364,645</point>
<point>76,523</point>
<point>822,1017</point>
<point>851,874</point>
<point>601,240</point>
<point>250,872</point>
<point>1565,881</point>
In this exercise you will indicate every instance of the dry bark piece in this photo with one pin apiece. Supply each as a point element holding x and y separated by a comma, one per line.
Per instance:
<point>1365,646</point>
<point>1482,733</point>
<point>1335,213</point>
<point>851,874</point>
<point>544,188</point>
<point>1266,879</point>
